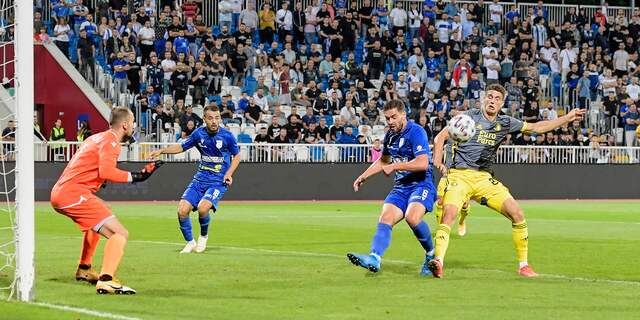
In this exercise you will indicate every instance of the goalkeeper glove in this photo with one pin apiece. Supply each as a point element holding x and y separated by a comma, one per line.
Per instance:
<point>146,172</point>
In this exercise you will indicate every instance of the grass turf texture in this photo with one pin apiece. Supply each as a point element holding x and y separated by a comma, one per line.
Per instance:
<point>270,261</point>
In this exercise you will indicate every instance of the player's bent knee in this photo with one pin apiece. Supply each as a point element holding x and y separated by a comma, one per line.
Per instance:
<point>513,211</point>
<point>204,210</point>
<point>413,219</point>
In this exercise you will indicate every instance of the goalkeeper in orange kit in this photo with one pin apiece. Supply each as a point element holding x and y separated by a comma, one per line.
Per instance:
<point>73,195</point>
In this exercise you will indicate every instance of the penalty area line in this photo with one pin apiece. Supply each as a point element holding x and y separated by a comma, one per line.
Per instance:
<point>331,255</point>
<point>89,312</point>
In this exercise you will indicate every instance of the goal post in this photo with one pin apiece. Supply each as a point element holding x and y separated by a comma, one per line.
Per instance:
<point>24,173</point>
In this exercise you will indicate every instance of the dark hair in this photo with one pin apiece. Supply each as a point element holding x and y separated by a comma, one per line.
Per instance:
<point>394,104</point>
<point>497,87</point>
<point>212,108</point>
<point>118,115</point>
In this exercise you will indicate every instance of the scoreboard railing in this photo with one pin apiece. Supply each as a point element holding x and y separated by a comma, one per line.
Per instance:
<point>338,153</point>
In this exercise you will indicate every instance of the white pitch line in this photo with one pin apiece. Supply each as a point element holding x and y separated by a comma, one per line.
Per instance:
<point>317,254</point>
<point>84,311</point>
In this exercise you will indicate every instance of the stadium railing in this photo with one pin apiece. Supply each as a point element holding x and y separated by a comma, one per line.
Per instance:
<point>339,153</point>
<point>555,12</point>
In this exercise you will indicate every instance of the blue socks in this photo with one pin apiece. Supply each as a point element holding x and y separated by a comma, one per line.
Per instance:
<point>423,234</point>
<point>204,225</point>
<point>185,228</point>
<point>381,239</point>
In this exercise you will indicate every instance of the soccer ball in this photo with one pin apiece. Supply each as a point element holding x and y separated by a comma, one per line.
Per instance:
<point>462,128</point>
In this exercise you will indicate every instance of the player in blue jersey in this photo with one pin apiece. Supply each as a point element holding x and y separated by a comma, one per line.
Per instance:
<point>406,153</point>
<point>219,160</point>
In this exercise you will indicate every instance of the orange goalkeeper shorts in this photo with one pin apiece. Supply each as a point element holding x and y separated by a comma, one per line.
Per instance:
<point>84,208</point>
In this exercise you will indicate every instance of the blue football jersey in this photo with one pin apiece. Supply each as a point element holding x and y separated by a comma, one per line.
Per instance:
<point>215,151</point>
<point>405,146</point>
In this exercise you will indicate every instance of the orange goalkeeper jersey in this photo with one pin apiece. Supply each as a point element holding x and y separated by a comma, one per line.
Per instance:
<point>93,164</point>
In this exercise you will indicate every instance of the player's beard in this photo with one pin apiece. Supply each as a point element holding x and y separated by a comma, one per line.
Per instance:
<point>212,132</point>
<point>129,139</point>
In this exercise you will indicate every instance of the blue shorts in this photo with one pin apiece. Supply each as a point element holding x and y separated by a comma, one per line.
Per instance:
<point>198,190</point>
<point>402,195</point>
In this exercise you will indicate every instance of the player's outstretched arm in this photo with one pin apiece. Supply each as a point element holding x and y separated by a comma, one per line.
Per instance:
<point>373,169</point>
<point>172,149</point>
<point>545,126</point>
<point>438,147</point>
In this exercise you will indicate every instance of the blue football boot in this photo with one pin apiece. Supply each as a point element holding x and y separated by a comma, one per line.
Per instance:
<point>367,261</point>
<point>425,266</point>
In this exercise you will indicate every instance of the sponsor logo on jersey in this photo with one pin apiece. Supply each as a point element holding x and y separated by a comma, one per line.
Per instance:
<point>212,159</point>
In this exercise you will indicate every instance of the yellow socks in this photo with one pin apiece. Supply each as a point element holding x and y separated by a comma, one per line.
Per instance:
<point>520,234</point>
<point>442,241</point>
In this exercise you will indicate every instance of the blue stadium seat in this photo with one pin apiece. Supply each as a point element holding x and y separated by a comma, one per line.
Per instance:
<point>244,138</point>
<point>250,84</point>
<point>329,120</point>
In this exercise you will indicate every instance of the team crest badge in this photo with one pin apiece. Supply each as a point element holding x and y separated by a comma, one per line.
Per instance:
<point>479,126</point>
<point>401,142</point>
<point>219,144</point>
<point>498,127</point>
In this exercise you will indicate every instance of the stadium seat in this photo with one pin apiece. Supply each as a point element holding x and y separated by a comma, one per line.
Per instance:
<point>333,154</point>
<point>286,110</point>
<point>244,153</point>
<point>336,119</point>
<point>365,129</point>
<point>262,125</point>
<point>250,130</point>
<point>234,128</point>
<point>302,153</point>
<point>301,110</point>
<point>226,82</point>
<point>235,92</point>
<point>377,130</point>
<point>376,83</point>
<point>329,120</point>
<point>244,138</point>
<point>198,110</point>
<point>267,119</point>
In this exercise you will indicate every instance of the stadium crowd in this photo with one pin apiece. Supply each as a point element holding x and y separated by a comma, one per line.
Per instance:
<point>321,73</point>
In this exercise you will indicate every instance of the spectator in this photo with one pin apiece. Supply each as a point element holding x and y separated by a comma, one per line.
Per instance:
<point>56,136</point>
<point>253,115</point>
<point>347,137</point>
<point>282,137</point>
<point>249,17</point>
<point>267,23</point>
<point>189,116</point>
<point>631,121</point>
<point>370,115</point>
<point>262,136</point>
<point>86,52</point>
<point>294,129</point>
<point>9,134</point>
<point>61,32</point>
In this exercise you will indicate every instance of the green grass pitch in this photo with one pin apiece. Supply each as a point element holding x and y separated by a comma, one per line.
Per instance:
<point>287,261</point>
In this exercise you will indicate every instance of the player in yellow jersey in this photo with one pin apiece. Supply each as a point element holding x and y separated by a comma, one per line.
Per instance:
<point>470,177</point>
<point>442,186</point>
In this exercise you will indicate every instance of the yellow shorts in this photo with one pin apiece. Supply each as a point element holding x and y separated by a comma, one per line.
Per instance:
<point>465,184</point>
